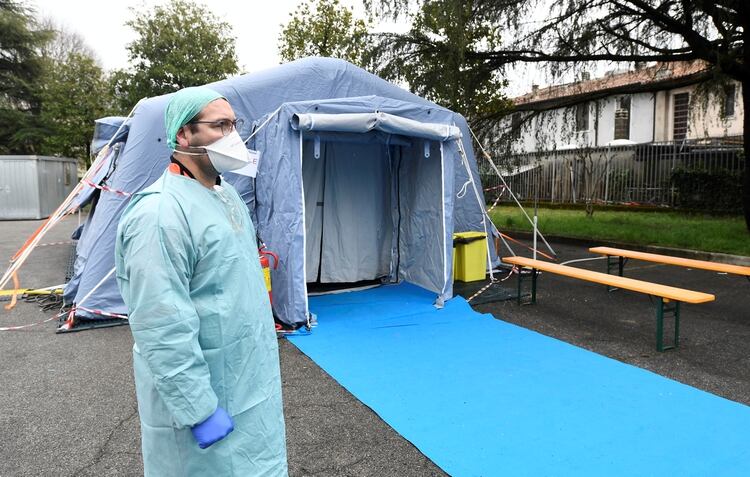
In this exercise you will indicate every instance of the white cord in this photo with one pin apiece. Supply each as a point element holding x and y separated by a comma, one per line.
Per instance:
<point>464,189</point>
<point>270,116</point>
<point>80,303</point>
<point>582,260</point>
<point>510,191</point>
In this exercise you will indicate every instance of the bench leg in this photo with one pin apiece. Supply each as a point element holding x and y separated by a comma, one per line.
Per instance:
<point>521,287</point>
<point>619,264</point>
<point>661,309</point>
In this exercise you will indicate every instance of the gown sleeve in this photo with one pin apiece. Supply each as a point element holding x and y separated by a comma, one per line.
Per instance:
<point>155,259</point>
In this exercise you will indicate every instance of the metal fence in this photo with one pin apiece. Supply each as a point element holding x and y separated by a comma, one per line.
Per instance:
<point>633,174</point>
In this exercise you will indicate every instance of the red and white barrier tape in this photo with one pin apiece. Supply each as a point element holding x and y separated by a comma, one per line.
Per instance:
<point>61,212</point>
<point>548,257</point>
<point>492,282</point>
<point>101,313</point>
<point>70,322</point>
<point>107,189</point>
<point>21,327</point>
<point>494,204</point>
<point>66,242</point>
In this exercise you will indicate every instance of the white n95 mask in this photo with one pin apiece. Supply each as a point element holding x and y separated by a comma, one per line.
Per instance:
<point>228,153</point>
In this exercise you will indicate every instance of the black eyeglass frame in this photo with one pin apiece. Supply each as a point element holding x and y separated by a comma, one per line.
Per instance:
<point>234,124</point>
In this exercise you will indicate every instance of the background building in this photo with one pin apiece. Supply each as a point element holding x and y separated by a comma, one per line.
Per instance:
<point>664,102</point>
<point>663,135</point>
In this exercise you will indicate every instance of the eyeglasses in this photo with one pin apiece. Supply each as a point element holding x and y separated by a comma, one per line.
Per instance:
<point>226,125</point>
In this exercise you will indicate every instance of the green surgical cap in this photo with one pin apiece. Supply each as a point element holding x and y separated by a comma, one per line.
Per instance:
<point>183,106</point>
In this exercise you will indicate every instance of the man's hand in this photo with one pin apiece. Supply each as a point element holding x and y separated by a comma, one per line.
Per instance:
<point>213,429</point>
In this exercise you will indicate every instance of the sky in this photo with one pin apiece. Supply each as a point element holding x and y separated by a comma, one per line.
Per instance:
<point>255,24</point>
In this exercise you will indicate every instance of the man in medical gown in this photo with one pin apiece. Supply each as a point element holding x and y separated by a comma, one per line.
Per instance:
<point>205,356</point>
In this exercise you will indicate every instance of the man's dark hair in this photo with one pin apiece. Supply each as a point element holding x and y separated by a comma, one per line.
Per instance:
<point>194,127</point>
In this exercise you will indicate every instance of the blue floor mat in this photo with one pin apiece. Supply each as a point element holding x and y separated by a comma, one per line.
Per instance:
<point>483,397</point>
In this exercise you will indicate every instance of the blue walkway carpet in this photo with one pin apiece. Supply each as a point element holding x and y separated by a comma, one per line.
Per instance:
<point>480,396</point>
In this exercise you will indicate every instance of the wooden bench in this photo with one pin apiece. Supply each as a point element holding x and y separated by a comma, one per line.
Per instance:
<point>621,255</point>
<point>669,297</point>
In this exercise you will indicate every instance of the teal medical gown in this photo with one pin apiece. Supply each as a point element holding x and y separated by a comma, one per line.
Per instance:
<point>188,270</point>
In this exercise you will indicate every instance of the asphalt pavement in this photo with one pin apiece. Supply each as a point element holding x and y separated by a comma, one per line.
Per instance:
<point>68,408</point>
<point>714,343</point>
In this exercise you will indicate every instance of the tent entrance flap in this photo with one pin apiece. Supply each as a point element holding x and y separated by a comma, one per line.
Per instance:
<point>348,225</point>
<point>373,209</point>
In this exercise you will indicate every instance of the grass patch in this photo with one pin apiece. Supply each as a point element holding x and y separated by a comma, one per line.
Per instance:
<point>668,229</point>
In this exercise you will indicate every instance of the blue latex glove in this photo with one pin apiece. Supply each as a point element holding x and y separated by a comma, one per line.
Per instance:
<point>213,429</point>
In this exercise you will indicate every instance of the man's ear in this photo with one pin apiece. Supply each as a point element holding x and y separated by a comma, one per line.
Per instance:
<point>181,137</point>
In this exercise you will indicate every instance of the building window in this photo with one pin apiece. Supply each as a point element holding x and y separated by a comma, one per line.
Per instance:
<point>622,118</point>
<point>680,116</point>
<point>730,92</point>
<point>582,117</point>
<point>515,125</point>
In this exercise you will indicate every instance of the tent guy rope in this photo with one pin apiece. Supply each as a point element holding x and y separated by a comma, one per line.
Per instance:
<point>59,214</point>
<point>510,191</point>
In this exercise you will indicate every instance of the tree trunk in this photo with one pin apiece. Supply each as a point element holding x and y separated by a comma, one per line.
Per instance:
<point>742,9</point>
<point>746,141</point>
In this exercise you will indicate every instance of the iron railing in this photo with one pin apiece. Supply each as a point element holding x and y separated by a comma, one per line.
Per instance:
<point>632,174</point>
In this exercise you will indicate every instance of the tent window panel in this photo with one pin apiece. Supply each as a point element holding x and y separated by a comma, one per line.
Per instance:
<point>680,116</point>
<point>622,118</point>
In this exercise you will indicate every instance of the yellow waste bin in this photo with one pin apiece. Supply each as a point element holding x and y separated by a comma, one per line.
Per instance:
<point>469,256</point>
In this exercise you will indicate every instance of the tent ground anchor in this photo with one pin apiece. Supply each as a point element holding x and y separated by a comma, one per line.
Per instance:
<point>81,324</point>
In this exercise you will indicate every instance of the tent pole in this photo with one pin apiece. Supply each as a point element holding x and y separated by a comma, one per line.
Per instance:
<point>442,202</point>
<point>304,234</point>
